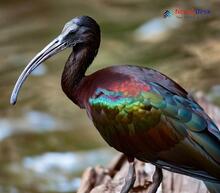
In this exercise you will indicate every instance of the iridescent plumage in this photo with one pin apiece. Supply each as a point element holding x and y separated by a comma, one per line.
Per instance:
<point>138,111</point>
<point>152,119</point>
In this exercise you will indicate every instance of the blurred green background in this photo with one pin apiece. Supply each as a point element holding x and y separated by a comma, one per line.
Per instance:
<point>45,140</point>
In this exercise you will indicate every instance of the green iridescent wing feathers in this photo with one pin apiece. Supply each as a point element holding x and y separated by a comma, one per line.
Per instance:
<point>173,106</point>
<point>199,127</point>
<point>146,109</point>
<point>128,110</point>
<point>180,108</point>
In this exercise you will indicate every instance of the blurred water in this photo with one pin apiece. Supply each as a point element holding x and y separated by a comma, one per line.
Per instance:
<point>32,121</point>
<point>157,29</point>
<point>66,161</point>
<point>45,140</point>
<point>57,170</point>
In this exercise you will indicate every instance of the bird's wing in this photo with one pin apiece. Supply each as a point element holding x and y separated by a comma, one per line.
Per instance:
<point>184,109</point>
<point>165,125</point>
<point>199,127</point>
<point>175,94</point>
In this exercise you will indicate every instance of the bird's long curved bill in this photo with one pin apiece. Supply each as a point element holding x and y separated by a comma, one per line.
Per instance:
<point>51,49</point>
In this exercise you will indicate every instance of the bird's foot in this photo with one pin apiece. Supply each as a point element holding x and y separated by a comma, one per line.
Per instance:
<point>157,179</point>
<point>130,178</point>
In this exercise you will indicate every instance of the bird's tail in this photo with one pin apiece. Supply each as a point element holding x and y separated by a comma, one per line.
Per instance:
<point>213,187</point>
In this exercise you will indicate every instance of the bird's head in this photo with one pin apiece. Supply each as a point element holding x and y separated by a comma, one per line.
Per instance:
<point>79,32</point>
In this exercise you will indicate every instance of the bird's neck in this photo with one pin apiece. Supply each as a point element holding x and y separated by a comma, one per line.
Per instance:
<point>75,68</point>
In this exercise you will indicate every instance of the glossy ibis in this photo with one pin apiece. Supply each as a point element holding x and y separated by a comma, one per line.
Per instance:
<point>138,111</point>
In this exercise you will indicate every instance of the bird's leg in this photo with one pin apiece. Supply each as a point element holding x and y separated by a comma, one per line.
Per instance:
<point>130,178</point>
<point>157,179</point>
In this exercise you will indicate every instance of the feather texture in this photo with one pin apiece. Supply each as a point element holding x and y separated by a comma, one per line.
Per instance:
<point>144,114</point>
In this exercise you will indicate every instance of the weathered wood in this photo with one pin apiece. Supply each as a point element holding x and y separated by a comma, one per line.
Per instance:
<point>111,178</point>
